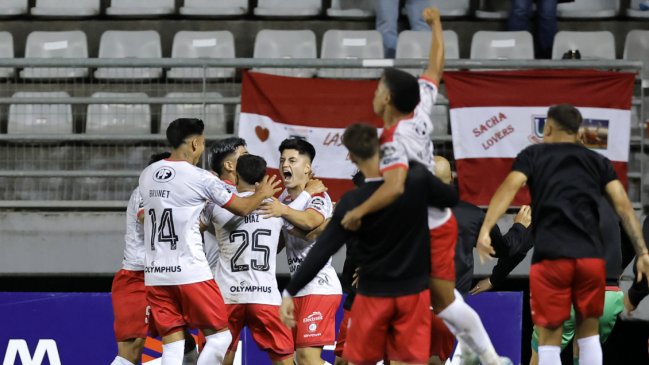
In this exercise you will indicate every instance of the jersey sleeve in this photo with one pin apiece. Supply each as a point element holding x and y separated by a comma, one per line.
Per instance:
<point>523,162</point>
<point>608,173</point>
<point>301,201</point>
<point>215,191</point>
<point>428,91</point>
<point>393,153</point>
<point>138,203</point>
<point>321,204</point>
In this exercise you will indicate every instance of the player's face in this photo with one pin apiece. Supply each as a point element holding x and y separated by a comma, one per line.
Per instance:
<point>381,98</point>
<point>294,168</point>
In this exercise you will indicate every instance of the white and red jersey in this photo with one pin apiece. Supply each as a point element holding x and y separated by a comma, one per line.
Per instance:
<point>326,282</point>
<point>410,139</point>
<point>174,194</point>
<point>247,263</point>
<point>134,237</point>
<point>210,241</point>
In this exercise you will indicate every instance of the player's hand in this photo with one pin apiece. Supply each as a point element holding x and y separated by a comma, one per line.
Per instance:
<point>315,186</point>
<point>287,312</point>
<point>642,265</point>
<point>524,216</point>
<point>311,236</point>
<point>268,187</point>
<point>273,208</point>
<point>431,15</point>
<point>482,286</point>
<point>352,220</point>
<point>485,249</point>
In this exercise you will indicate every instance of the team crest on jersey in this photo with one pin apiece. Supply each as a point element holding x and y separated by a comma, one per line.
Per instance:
<point>164,174</point>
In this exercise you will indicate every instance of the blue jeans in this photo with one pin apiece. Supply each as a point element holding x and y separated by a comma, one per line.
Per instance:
<point>546,23</point>
<point>387,16</point>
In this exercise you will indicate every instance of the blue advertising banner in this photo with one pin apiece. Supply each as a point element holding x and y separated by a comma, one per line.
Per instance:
<point>77,328</point>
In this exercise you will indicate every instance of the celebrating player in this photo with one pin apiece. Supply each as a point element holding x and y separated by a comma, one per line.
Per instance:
<point>567,182</point>
<point>180,285</point>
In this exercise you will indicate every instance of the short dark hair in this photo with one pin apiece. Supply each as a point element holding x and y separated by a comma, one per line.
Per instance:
<point>300,145</point>
<point>157,157</point>
<point>361,140</point>
<point>182,128</point>
<point>567,116</point>
<point>404,89</point>
<point>221,149</point>
<point>251,168</point>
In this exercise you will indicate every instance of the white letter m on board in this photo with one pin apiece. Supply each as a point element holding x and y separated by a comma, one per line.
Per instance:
<point>19,347</point>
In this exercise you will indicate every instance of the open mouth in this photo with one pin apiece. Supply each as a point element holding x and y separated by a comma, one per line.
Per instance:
<point>287,175</point>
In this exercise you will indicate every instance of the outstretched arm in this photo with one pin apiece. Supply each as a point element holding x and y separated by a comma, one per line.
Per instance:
<point>244,206</point>
<point>435,67</point>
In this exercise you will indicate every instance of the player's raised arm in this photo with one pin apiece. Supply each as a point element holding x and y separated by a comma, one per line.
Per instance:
<point>435,67</point>
<point>264,190</point>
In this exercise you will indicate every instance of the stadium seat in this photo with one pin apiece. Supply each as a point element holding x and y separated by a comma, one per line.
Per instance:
<point>413,44</point>
<point>591,45</point>
<point>213,115</point>
<point>343,44</point>
<point>288,8</point>
<point>636,48</point>
<point>591,9</point>
<point>286,44</point>
<point>188,44</point>
<point>502,45</point>
<point>40,118</point>
<point>131,119</point>
<point>351,9</point>
<point>493,9</point>
<point>633,11</point>
<point>439,117</point>
<point>66,8</point>
<point>129,44</point>
<point>65,44</point>
<point>209,8</point>
<point>9,8</point>
<point>6,51</point>
<point>141,8</point>
<point>450,8</point>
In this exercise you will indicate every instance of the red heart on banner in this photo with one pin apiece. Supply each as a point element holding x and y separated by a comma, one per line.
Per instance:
<point>262,133</point>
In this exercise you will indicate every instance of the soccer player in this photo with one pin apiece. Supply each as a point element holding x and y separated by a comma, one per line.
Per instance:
<point>567,182</point>
<point>128,293</point>
<point>405,105</point>
<point>391,312</point>
<point>317,303</point>
<point>180,285</point>
<point>246,270</point>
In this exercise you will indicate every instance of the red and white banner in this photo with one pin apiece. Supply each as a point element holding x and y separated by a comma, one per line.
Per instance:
<point>274,108</point>
<point>494,115</point>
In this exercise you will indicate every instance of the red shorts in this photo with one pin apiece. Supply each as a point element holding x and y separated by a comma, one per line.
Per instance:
<point>441,339</point>
<point>556,284</point>
<point>396,328</point>
<point>442,250</point>
<point>267,329</point>
<point>316,320</point>
<point>195,305</point>
<point>342,334</point>
<point>130,305</point>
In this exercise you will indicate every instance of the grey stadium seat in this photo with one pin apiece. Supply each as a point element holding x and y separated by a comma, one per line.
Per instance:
<point>40,118</point>
<point>450,8</point>
<point>591,45</point>
<point>221,8</point>
<point>351,9</point>
<point>141,8</point>
<point>65,44</point>
<point>636,48</point>
<point>66,8</point>
<point>633,11</point>
<point>213,115</point>
<point>129,44</point>
<point>288,8</point>
<point>502,45</point>
<point>6,51</point>
<point>131,119</point>
<point>286,44</point>
<point>366,44</point>
<point>188,44</point>
<point>9,8</point>
<point>414,44</point>
<point>493,9</point>
<point>589,9</point>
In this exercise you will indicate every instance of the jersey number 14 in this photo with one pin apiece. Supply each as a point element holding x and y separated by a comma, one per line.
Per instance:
<point>166,232</point>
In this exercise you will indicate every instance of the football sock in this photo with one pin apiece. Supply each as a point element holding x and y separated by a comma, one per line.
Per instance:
<point>550,355</point>
<point>121,361</point>
<point>590,351</point>
<point>172,353</point>
<point>216,346</point>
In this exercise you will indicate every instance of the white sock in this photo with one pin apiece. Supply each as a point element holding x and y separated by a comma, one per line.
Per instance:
<point>216,346</point>
<point>172,353</point>
<point>590,351</point>
<point>466,325</point>
<point>120,361</point>
<point>549,355</point>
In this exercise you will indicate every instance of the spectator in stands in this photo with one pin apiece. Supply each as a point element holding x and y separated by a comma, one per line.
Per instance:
<point>387,16</point>
<point>546,22</point>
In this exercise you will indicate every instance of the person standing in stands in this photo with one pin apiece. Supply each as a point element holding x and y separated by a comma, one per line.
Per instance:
<point>387,18</point>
